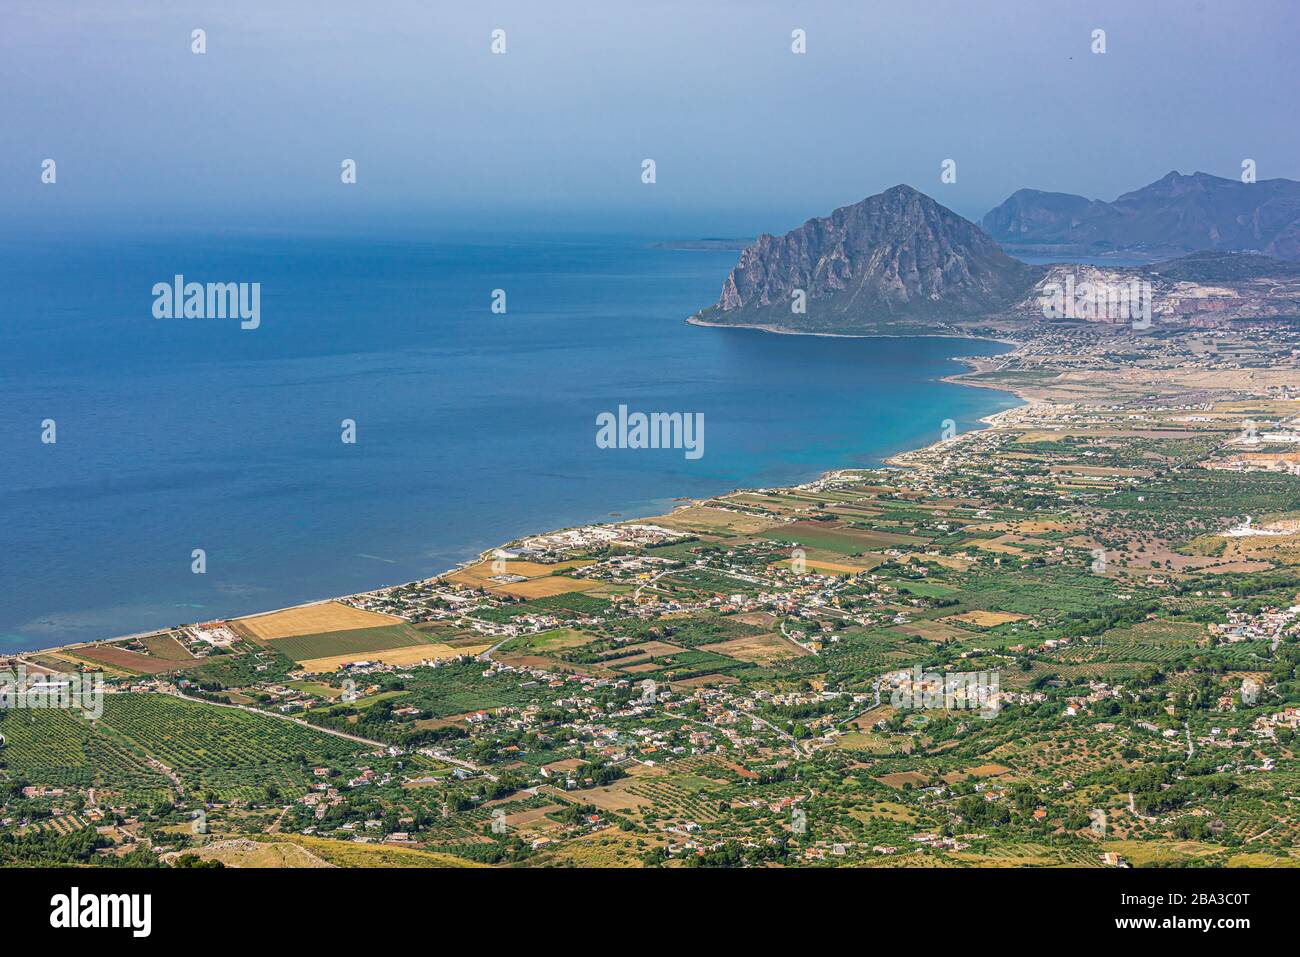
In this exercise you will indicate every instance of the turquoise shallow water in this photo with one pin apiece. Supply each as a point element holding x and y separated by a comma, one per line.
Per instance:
<point>472,428</point>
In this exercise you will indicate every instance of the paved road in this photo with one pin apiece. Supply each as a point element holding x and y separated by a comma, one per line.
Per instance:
<point>651,581</point>
<point>285,717</point>
<point>790,637</point>
<point>467,765</point>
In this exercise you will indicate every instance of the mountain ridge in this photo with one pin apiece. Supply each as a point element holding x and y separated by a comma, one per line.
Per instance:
<point>900,263</point>
<point>1176,214</point>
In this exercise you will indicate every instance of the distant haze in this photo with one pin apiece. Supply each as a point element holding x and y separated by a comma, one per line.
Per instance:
<point>747,136</point>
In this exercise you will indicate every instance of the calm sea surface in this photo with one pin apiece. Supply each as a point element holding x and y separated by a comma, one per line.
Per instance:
<point>472,428</point>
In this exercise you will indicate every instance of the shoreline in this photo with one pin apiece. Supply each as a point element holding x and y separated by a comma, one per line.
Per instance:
<point>786,331</point>
<point>992,420</point>
<point>896,460</point>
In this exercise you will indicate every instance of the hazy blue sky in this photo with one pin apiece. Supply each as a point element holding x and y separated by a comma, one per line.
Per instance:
<point>747,136</point>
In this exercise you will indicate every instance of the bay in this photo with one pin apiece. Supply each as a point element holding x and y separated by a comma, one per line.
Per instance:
<point>472,428</point>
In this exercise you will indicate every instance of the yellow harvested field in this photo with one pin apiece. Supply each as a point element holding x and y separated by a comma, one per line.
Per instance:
<point>986,619</point>
<point>480,575</point>
<point>551,585</point>
<point>313,620</point>
<point>706,519</point>
<point>411,655</point>
<point>1001,545</point>
<point>538,569</point>
<point>761,649</point>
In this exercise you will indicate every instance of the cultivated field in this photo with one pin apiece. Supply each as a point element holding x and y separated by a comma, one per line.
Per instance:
<point>119,659</point>
<point>166,646</point>
<point>550,585</point>
<point>703,519</point>
<point>480,575</point>
<point>313,620</point>
<point>987,619</point>
<point>762,649</point>
<point>355,641</point>
<point>410,655</point>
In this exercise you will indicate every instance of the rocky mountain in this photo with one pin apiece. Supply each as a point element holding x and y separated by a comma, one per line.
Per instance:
<point>895,263</point>
<point>1174,215</point>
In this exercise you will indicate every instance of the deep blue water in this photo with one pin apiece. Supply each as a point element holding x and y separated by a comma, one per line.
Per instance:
<point>472,428</point>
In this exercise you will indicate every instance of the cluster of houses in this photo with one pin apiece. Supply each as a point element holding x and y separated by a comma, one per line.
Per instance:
<point>590,537</point>
<point>1269,624</point>
<point>1286,718</point>
<point>939,842</point>
<point>1097,691</point>
<point>215,634</point>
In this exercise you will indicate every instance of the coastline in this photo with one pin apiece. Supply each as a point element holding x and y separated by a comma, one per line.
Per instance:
<point>898,459</point>
<point>785,331</point>
<point>992,420</point>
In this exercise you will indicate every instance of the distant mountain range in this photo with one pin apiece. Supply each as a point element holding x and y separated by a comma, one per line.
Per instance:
<point>1176,214</point>
<point>898,263</point>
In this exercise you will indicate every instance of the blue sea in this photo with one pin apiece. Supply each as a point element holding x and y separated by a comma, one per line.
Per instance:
<point>472,428</point>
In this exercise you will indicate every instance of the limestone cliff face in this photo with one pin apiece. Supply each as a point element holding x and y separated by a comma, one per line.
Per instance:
<point>895,262</point>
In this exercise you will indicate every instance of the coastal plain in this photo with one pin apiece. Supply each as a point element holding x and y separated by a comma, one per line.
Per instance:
<point>751,678</point>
